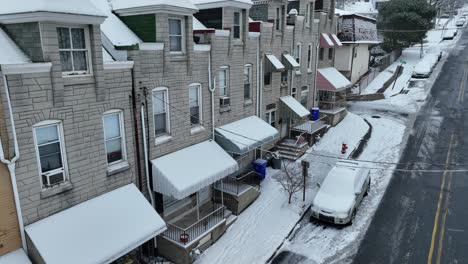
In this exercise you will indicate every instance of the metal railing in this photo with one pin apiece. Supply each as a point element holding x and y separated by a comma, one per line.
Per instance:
<point>236,184</point>
<point>323,105</point>
<point>193,232</point>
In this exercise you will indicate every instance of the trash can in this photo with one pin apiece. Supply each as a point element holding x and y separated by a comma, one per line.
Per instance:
<point>315,113</point>
<point>259,167</point>
<point>276,161</point>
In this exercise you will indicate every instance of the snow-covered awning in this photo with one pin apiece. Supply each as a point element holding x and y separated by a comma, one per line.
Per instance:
<point>291,109</point>
<point>189,170</point>
<point>244,135</point>
<point>290,63</point>
<point>311,127</point>
<point>330,79</point>
<point>273,64</point>
<point>10,53</point>
<point>336,40</point>
<point>15,257</point>
<point>325,41</point>
<point>99,230</point>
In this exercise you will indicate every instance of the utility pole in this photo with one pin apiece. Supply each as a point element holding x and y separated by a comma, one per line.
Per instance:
<point>305,171</point>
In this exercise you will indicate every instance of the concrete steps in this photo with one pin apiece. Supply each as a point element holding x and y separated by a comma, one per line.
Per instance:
<point>289,150</point>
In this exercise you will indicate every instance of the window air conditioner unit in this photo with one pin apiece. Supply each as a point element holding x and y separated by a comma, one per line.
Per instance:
<point>54,177</point>
<point>224,101</point>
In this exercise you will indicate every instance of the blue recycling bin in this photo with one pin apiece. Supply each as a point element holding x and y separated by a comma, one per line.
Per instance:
<point>259,167</point>
<point>315,113</point>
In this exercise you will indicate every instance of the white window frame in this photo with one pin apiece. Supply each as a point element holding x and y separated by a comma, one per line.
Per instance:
<point>268,115</point>
<point>298,52</point>
<point>63,152</point>
<point>278,19</point>
<point>226,86</point>
<point>240,25</point>
<point>200,104</point>
<point>122,134</point>
<point>309,58</point>
<point>87,49</point>
<point>166,108</point>
<point>250,67</point>
<point>307,14</point>
<point>182,39</point>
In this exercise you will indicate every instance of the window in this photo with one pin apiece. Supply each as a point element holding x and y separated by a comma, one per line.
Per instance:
<point>309,57</point>
<point>304,95</point>
<point>293,92</point>
<point>223,82</point>
<point>160,111</point>
<point>237,25</point>
<point>48,138</point>
<point>114,136</point>
<point>195,104</point>
<point>74,52</point>
<point>298,52</point>
<point>176,35</point>
<point>307,14</point>
<point>247,81</point>
<point>330,54</point>
<point>267,78</point>
<point>321,52</point>
<point>284,76</point>
<point>278,19</point>
<point>270,117</point>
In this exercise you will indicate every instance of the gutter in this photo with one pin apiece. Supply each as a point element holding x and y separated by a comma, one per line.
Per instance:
<point>212,89</point>
<point>11,166</point>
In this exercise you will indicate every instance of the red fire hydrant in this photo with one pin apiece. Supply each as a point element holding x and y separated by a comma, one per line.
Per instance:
<point>344,148</point>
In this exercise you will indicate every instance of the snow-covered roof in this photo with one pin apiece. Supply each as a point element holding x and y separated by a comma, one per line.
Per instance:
<point>327,39</point>
<point>114,29</point>
<point>331,79</point>
<point>106,57</point>
<point>291,62</point>
<point>205,4</point>
<point>189,170</point>
<point>81,7</point>
<point>245,135</point>
<point>137,6</point>
<point>197,25</point>
<point>15,257</point>
<point>99,230</point>
<point>336,40</point>
<point>361,8</point>
<point>275,63</point>
<point>9,51</point>
<point>295,106</point>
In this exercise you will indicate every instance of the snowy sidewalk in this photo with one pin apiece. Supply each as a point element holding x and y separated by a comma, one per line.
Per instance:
<point>262,227</point>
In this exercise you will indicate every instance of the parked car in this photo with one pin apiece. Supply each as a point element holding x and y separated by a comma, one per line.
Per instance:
<point>460,22</point>
<point>423,69</point>
<point>341,193</point>
<point>436,50</point>
<point>431,59</point>
<point>449,34</point>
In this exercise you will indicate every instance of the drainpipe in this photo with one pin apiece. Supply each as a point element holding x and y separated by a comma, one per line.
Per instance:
<point>258,77</point>
<point>212,90</point>
<point>145,149</point>
<point>11,166</point>
<point>316,73</point>
<point>135,126</point>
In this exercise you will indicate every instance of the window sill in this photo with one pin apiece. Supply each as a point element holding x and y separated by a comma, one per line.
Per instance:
<point>297,73</point>
<point>162,139</point>
<point>237,42</point>
<point>196,129</point>
<point>248,102</point>
<point>78,79</point>
<point>66,186</point>
<point>309,71</point>
<point>224,109</point>
<point>178,57</point>
<point>118,167</point>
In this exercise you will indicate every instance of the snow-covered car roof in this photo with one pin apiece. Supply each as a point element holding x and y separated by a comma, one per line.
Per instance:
<point>423,67</point>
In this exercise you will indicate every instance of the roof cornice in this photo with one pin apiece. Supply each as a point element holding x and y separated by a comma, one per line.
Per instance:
<point>45,16</point>
<point>225,3</point>
<point>154,9</point>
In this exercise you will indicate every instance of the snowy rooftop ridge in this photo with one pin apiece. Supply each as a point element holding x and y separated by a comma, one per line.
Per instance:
<point>81,7</point>
<point>142,4</point>
<point>9,51</point>
<point>205,4</point>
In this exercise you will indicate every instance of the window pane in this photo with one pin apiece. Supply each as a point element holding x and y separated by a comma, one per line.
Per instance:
<point>247,91</point>
<point>51,162</point>
<point>175,43</point>
<point>114,150</point>
<point>236,18</point>
<point>49,149</point>
<point>160,123</point>
<point>236,32</point>
<point>46,134</point>
<point>111,126</point>
<point>193,96</point>
<point>246,74</point>
<point>195,115</point>
<point>159,102</point>
<point>79,61</point>
<point>222,78</point>
<point>65,60</point>
<point>175,27</point>
<point>78,38</point>
<point>63,38</point>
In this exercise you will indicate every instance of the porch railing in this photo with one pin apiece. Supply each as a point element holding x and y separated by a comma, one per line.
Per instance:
<point>193,232</point>
<point>237,185</point>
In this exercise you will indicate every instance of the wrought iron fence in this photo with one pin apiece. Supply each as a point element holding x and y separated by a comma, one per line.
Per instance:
<point>236,184</point>
<point>191,233</point>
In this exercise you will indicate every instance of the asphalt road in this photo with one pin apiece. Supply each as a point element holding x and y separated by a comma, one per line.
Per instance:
<point>423,217</point>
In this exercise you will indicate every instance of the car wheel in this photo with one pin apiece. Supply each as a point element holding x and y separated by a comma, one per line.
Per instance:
<point>367,190</point>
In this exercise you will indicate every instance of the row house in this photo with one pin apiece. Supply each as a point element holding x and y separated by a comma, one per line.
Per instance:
<point>151,113</point>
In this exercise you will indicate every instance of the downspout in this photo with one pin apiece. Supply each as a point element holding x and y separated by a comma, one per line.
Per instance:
<point>212,90</point>
<point>135,125</point>
<point>145,149</point>
<point>11,166</point>
<point>258,77</point>
<point>316,73</point>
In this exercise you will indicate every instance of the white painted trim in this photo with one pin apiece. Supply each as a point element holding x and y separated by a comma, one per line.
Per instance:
<point>166,107</point>
<point>89,66</point>
<point>200,103</point>
<point>156,9</point>
<point>225,3</point>
<point>254,34</point>
<point>123,142</point>
<point>182,36</point>
<point>117,65</point>
<point>201,47</point>
<point>151,46</point>
<point>44,16</point>
<point>222,33</point>
<point>25,68</point>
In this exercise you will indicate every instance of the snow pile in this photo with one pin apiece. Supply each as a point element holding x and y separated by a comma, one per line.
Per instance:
<point>9,52</point>
<point>349,131</point>
<point>361,8</point>
<point>15,257</point>
<point>81,7</point>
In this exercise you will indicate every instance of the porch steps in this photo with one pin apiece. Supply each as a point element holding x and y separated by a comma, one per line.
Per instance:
<point>289,150</point>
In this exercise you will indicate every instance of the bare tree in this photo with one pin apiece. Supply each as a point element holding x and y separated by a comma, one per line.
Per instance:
<point>291,179</point>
